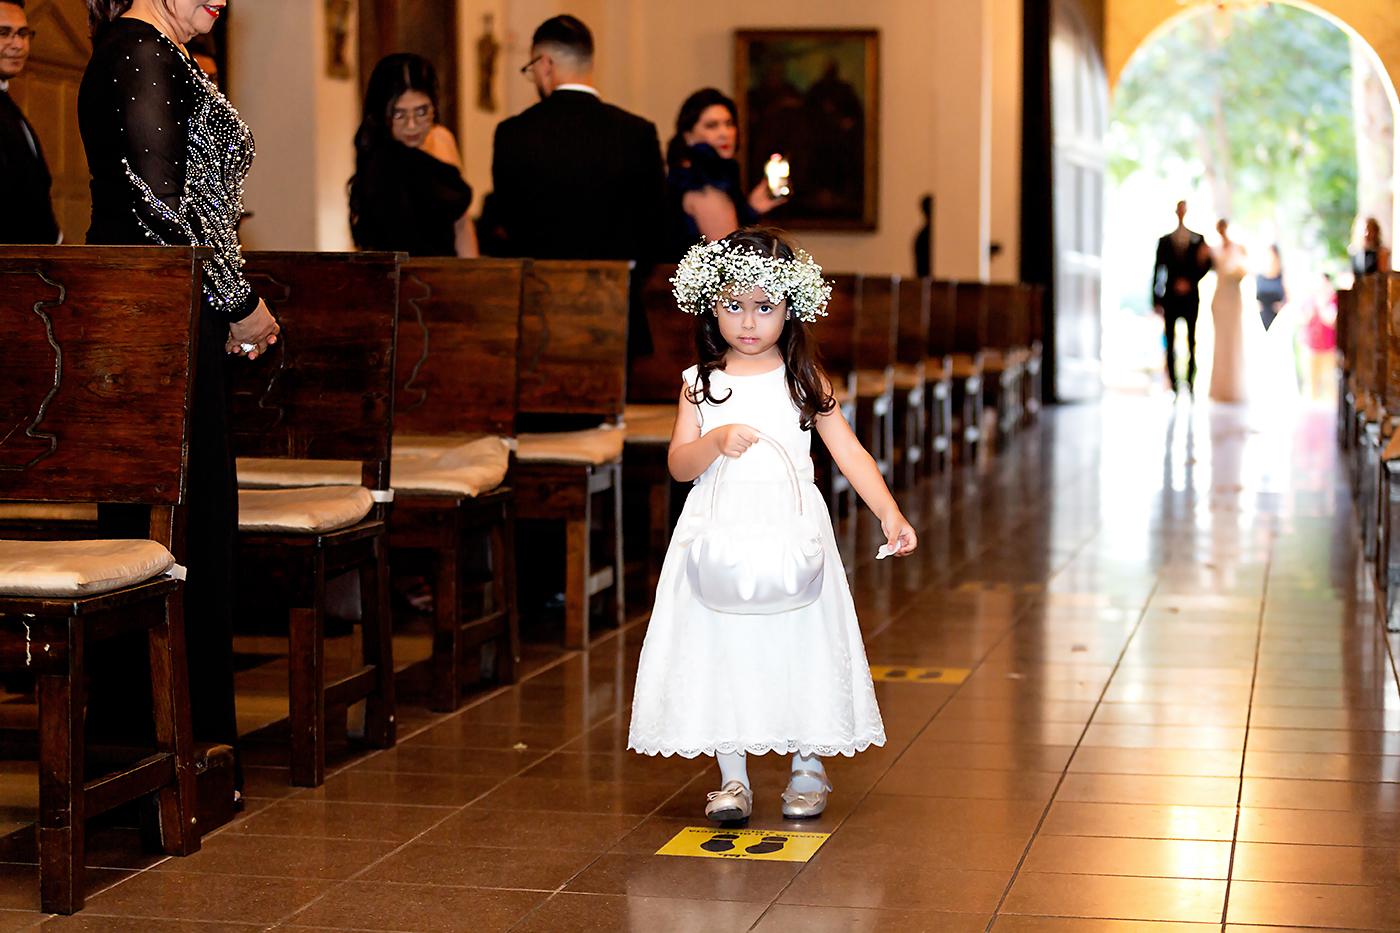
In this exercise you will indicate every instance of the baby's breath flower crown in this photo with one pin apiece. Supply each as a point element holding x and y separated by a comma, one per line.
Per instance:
<point>711,271</point>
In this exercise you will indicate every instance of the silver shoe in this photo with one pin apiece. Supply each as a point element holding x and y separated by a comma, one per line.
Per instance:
<point>733,801</point>
<point>806,804</point>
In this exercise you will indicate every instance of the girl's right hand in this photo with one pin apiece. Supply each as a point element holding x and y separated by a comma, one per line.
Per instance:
<point>734,439</point>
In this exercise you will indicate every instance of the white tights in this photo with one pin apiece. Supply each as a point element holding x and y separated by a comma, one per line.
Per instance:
<point>734,766</point>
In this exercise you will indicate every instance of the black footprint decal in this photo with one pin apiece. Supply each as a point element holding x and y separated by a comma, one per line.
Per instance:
<point>719,842</point>
<point>769,844</point>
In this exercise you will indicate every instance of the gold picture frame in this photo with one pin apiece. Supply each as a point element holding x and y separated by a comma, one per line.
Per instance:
<point>814,96</point>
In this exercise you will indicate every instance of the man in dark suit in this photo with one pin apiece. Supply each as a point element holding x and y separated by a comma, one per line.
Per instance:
<point>1182,261</point>
<point>24,175</point>
<point>577,178</point>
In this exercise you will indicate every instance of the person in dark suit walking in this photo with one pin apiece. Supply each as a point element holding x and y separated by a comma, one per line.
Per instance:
<point>575,177</point>
<point>24,174</point>
<point>1182,261</point>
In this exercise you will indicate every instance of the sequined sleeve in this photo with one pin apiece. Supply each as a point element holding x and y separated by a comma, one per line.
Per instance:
<point>176,159</point>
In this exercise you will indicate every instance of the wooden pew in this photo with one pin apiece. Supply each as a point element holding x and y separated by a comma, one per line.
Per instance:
<point>1006,351</point>
<point>1035,323</point>
<point>653,388</point>
<point>98,350</point>
<point>573,373</point>
<point>1369,388</point>
<point>939,368</point>
<point>912,381</point>
<point>455,376</point>
<point>969,336</point>
<point>325,392</point>
<point>835,335</point>
<point>1346,365</point>
<point>877,331</point>
<point>1388,494</point>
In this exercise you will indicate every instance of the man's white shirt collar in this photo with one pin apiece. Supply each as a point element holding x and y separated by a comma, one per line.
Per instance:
<point>585,88</point>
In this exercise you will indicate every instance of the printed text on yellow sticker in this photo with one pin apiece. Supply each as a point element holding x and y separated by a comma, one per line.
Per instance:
<point>754,844</point>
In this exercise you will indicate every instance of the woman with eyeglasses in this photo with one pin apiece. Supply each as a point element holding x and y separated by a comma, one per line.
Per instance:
<point>408,193</point>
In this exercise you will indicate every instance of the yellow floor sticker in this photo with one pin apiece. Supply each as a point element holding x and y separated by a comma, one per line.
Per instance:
<point>763,845</point>
<point>894,673</point>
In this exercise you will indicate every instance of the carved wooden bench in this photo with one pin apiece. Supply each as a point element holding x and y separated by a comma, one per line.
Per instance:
<point>459,335</point>
<point>967,306</point>
<point>95,402</point>
<point>876,331</point>
<point>323,395</point>
<point>653,391</point>
<point>914,379</point>
<point>572,391</point>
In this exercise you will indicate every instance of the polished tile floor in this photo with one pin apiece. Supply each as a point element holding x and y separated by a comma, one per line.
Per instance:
<point>1181,715</point>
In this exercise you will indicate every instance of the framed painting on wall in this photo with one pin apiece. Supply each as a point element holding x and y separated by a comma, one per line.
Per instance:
<point>813,96</point>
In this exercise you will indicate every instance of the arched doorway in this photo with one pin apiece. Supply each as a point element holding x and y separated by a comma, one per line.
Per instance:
<point>1253,111</point>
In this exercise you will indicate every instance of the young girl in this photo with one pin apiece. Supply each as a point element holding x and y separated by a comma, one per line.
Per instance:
<point>793,682</point>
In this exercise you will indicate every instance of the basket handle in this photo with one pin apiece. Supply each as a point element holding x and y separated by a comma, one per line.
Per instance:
<point>787,463</point>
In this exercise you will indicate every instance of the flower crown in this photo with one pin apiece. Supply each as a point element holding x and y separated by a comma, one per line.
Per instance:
<point>710,271</point>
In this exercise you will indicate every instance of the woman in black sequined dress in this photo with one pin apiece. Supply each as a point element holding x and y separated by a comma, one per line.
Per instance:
<point>168,155</point>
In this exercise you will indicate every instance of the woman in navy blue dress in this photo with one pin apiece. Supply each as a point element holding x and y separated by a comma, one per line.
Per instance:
<point>705,197</point>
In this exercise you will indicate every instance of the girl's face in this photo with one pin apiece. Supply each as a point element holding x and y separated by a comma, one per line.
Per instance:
<point>411,118</point>
<point>715,128</point>
<point>750,323</point>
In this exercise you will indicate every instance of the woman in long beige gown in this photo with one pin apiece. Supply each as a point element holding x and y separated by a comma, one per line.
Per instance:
<point>1227,377</point>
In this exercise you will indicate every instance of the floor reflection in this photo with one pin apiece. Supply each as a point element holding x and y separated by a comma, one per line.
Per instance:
<point>1180,709</point>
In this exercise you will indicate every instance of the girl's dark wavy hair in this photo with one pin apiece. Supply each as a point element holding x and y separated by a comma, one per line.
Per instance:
<point>392,77</point>
<point>806,380</point>
<point>102,13</point>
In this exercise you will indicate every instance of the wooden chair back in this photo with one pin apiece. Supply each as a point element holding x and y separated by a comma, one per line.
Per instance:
<point>1391,340</point>
<point>836,332</point>
<point>1035,313</point>
<point>877,322</point>
<point>325,390</point>
<point>1365,334</point>
<point>969,318</point>
<point>1004,311</point>
<point>912,330</point>
<point>1346,327</point>
<point>99,344</point>
<point>942,318</point>
<point>656,377</point>
<point>573,338</point>
<point>459,336</point>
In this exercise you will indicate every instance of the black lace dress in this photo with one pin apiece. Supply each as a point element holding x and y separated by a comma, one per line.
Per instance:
<point>168,155</point>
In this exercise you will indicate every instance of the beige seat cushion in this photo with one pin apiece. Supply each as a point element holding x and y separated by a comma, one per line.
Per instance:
<point>78,568</point>
<point>908,376</point>
<point>283,473</point>
<point>312,510</point>
<point>449,466</point>
<point>47,512</point>
<point>596,446</point>
<point>466,466</point>
<point>871,382</point>
<point>649,424</point>
<point>965,366</point>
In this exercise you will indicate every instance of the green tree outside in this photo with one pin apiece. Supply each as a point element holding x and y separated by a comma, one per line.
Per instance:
<point>1256,107</point>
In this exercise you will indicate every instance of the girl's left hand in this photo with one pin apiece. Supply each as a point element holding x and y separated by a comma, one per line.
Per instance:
<point>899,534</point>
